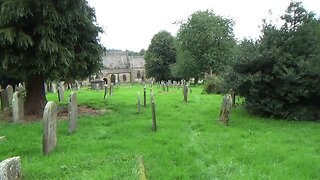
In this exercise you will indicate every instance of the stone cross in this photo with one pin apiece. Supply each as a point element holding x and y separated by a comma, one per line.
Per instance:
<point>17,107</point>
<point>73,112</point>
<point>4,100</point>
<point>61,94</point>
<point>10,169</point>
<point>9,89</point>
<point>49,127</point>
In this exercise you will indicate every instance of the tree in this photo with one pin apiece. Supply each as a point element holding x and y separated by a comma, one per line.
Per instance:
<point>160,54</point>
<point>51,39</point>
<point>206,39</point>
<point>279,75</point>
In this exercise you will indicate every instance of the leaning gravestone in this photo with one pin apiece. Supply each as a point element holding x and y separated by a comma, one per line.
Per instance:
<point>49,127</point>
<point>61,94</point>
<point>10,169</point>
<point>4,100</point>
<point>17,107</point>
<point>73,112</point>
<point>111,89</point>
<point>9,89</point>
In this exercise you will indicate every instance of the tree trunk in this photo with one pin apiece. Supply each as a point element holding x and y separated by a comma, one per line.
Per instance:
<point>36,97</point>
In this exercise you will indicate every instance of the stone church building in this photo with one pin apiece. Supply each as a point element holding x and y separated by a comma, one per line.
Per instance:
<point>120,67</point>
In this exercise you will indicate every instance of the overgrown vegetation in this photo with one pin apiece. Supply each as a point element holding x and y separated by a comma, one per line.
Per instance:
<point>190,143</point>
<point>279,74</point>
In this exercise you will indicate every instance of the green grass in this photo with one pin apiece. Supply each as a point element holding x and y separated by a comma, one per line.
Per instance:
<point>189,144</point>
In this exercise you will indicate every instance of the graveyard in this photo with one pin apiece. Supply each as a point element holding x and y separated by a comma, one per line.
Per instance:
<point>115,138</point>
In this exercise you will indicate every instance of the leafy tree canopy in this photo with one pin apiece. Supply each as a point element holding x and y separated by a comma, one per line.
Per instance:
<point>48,39</point>
<point>160,54</point>
<point>206,39</point>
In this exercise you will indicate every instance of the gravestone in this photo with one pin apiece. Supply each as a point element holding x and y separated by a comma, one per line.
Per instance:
<point>145,96</point>
<point>17,107</point>
<point>153,111</point>
<point>73,112</point>
<point>9,89</point>
<point>185,93</point>
<point>105,92</point>
<point>111,89</point>
<point>10,169</point>
<point>49,127</point>
<point>53,87</point>
<point>61,94</point>
<point>45,87</point>
<point>4,100</point>
<point>225,111</point>
<point>139,105</point>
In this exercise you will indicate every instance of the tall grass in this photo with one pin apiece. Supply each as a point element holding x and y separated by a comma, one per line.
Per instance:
<point>189,143</point>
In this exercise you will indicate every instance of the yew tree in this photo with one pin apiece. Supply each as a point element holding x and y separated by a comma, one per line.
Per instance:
<point>47,39</point>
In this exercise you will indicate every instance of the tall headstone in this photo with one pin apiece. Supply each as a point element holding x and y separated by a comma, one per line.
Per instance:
<point>185,93</point>
<point>17,107</point>
<point>145,96</point>
<point>9,89</point>
<point>139,104</point>
<point>49,127</point>
<point>53,87</point>
<point>10,169</point>
<point>73,112</point>
<point>4,100</point>
<point>111,89</point>
<point>225,111</point>
<point>61,94</point>
<point>105,91</point>
<point>153,111</point>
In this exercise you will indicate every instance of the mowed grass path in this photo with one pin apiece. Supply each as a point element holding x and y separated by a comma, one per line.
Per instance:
<point>189,144</point>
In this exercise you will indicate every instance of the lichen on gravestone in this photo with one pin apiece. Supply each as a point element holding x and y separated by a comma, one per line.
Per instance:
<point>49,127</point>
<point>10,169</point>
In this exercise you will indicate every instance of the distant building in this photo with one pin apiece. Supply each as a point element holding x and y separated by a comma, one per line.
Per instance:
<point>119,66</point>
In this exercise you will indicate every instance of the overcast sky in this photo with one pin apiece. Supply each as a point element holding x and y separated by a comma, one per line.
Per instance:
<point>131,24</point>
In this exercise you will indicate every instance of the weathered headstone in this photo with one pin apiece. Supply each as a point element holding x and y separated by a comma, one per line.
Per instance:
<point>53,87</point>
<point>45,87</point>
<point>167,86</point>
<point>105,92</point>
<point>153,110</point>
<point>145,96</point>
<point>17,107</point>
<point>225,109</point>
<point>111,89</point>
<point>4,100</point>
<point>185,93</point>
<point>73,112</point>
<point>139,104</point>
<point>61,94</point>
<point>9,89</point>
<point>49,127</point>
<point>10,169</point>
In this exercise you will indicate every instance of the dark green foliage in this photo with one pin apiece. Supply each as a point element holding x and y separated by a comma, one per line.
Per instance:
<point>279,75</point>
<point>54,38</point>
<point>205,43</point>
<point>213,84</point>
<point>51,39</point>
<point>160,54</point>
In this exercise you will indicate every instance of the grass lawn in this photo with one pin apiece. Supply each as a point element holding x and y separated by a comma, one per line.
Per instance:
<point>189,144</point>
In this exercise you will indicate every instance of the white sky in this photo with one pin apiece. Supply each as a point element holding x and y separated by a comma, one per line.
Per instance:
<point>131,24</point>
